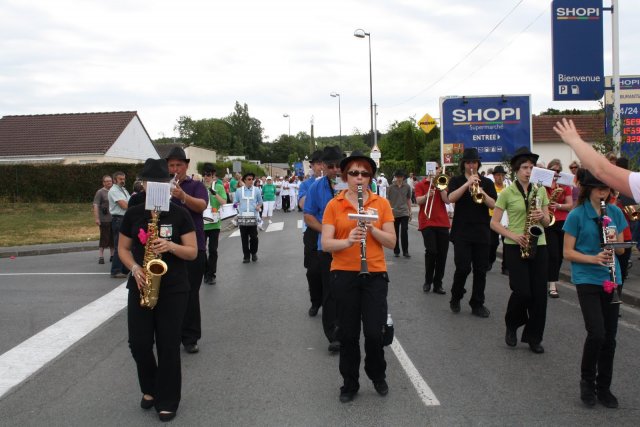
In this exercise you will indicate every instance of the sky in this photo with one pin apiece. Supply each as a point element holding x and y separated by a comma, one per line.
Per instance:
<point>167,59</point>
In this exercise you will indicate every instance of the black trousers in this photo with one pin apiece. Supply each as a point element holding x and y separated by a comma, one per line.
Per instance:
<point>312,264</point>
<point>192,328</point>
<point>360,300</point>
<point>249,238</point>
<point>436,248</point>
<point>286,203</point>
<point>212,259</point>
<point>555,245</point>
<point>528,301</point>
<point>470,256</point>
<point>329,316</point>
<point>401,224</point>
<point>601,323</point>
<point>161,379</point>
<point>116,264</point>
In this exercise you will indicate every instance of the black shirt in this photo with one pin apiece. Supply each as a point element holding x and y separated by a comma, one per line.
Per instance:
<point>470,219</point>
<point>171,226</point>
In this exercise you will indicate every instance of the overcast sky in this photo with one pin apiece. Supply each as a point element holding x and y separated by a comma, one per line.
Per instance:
<point>166,59</point>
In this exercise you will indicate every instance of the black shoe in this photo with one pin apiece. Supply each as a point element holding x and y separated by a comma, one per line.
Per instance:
<point>254,257</point>
<point>166,416</point>
<point>455,306</point>
<point>313,311</point>
<point>607,398</point>
<point>397,255</point>
<point>147,404</point>
<point>439,290</point>
<point>334,346</point>
<point>406,255</point>
<point>588,393</point>
<point>191,348</point>
<point>245,260</point>
<point>111,258</point>
<point>212,281</point>
<point>381,387</point>
<point>505,272</point>
<point>536,348</point>
<point>481,311</point>
<point>101,260</point>
<point>511,337</point>
<point>426,287</point>
<point>347,395</point>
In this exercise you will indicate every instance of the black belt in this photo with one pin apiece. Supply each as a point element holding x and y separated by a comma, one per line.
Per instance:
<point>116,216</point>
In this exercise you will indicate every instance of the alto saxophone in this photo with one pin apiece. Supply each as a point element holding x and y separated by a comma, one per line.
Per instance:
<point>555,195</point>
<point>532,230</point>
<point>154,267</point>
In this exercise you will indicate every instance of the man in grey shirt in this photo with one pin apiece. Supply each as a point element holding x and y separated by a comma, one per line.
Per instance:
<point>399,196</point>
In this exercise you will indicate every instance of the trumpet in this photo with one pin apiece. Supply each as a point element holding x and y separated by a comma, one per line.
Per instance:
<point>476,195</point>
<point>632,212</point>
<point>441,182</point>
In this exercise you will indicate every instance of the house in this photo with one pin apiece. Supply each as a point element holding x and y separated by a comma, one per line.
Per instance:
<point>118,137</point>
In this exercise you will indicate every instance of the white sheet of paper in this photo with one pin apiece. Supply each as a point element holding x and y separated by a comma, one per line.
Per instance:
<point>542,176</point>
<point>158,196</point>
<point>431,168</point>
<point>566,178</point>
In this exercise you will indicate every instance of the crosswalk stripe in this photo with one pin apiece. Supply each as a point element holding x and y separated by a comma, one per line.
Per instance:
<point>276,226</point>
<point>299,223</point>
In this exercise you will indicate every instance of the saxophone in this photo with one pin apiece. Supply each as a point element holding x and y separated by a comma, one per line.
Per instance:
<point>555,195</point>
<point>154,267</point>
<point>532,230</point>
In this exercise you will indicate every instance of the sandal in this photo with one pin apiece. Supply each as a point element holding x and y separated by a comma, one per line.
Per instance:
<point>553,293</point>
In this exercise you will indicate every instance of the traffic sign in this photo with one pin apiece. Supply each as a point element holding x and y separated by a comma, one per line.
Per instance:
<point>427,123</point>
<point>578,49</point>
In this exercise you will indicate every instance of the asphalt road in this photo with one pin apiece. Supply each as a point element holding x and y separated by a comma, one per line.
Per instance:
<point>263,361</point>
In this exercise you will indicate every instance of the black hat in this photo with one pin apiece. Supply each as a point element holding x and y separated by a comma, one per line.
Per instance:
<point>586,179</point>
<point>470,155</point>
<point>499,169</point>
<point>247,174</point>
<point>332,154</point>
<point>316,156</point>
<point>358,155</point>
<point>399,172</point>
<point>177,153</point>
<point>524,152</point>
<point>208,168</point>
<point>155,170</point>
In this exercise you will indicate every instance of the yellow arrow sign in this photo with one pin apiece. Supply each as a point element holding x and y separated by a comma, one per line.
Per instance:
<point>427,123</point>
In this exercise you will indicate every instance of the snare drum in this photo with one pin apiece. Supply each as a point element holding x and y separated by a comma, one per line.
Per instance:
<point>227,211</point>
<point>247,219</point>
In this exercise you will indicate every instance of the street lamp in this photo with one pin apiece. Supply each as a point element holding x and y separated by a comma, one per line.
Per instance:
<point>288,117</point>
<point>360,33</point>
<point>337,95</point>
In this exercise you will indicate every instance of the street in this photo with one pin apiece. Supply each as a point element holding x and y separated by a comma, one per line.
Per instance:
<point>264,361</point>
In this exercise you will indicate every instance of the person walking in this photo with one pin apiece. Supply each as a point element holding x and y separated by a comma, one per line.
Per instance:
<point>249,202</point>
<point>212,220</point>
<point>268,199</point>
<point>118,204</point>
<point>399,196</point>
<point>499,183</point>
<point>102,218</point>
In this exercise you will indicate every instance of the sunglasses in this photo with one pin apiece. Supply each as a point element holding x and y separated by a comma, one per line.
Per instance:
<point>364,174</point>
<point>332,165</point>
<point>573,167</point>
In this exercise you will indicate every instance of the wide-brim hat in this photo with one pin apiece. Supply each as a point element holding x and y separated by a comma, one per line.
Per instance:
<point>208,168</point>
<point>253,175</point>
<point>155,170</point>
<point>177,153</point>
<point>499,169</point>
<point>587,179</point>
<point>524,152</point>
<point>269,178</point>
<point>316,156</point>
<point>358,155</point>
<point>332,154</point>
<point>470,155</point>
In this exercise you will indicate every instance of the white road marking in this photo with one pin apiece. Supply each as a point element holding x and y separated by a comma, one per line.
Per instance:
<point>235,233</point>
<point>276,226</point>
<point>421,386</point>
<point>52,274</point>
<point>27,358</point>
<point>300,223</point>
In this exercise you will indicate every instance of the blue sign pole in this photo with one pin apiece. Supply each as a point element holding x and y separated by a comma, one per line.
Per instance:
<point>578,50</point>
<point>495,125</point>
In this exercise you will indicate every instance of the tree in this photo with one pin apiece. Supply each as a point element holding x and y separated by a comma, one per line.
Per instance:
<point>246,131</point>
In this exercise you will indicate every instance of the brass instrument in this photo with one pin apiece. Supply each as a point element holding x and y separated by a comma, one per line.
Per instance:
<point>610,285</point>
<point>532,230</point>
<point>557,192</point>
<point>632,212</point>
<point>441,182</point>
<point>364,269</point>
<point>476,195</point>
<point>154,267</point>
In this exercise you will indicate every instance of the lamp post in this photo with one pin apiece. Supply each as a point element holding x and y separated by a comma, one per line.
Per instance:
<point>337,95</point>
<point>288,117</point>
<point>360,33</point>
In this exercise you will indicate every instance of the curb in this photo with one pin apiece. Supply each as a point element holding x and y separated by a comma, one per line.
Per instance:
<point>53,248</point>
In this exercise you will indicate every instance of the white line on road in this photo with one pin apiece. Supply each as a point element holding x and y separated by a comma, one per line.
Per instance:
<point>421,386</point>
<point>52,274</point>
<point>27,358</point>
<point>299,223</point>
<point>276,226</point>
<point>235,233</point>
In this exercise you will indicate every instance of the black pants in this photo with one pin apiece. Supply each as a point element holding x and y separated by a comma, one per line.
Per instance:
<point>436,247</point>
<point>329,320</point>
<point>312,264</point>
<point>401,224</point>
<point>163,324</point>
<point>360,300</point>
<point>249,238</point>
<point>528,301</point>
<point>212,259</point>
<point>286,203</point>
<point>601,323</point>
<point>192,328</point>
<point>467,256</point>
<point>624,266</point>
<point>555,245</point>
<point>116,264</point>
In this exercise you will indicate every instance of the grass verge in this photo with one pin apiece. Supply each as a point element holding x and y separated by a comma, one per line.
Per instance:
<point>35,223</point>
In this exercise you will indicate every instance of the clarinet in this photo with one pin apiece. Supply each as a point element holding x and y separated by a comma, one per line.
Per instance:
<point>364,270</point>
<point>610,285</point>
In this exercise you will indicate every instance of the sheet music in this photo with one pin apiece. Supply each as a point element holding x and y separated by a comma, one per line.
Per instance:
<point>431,168</point>
<point>566,178</point>
<point>158,196</point>
<point>542,176</point>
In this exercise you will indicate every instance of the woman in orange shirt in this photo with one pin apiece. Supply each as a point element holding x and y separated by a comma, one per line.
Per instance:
<point>359,296</point>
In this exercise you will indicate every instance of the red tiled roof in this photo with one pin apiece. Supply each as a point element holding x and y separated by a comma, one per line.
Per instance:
<point>590,127</point>
<point>61,134</point>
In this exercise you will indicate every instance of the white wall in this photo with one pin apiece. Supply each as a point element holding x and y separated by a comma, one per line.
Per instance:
<point>133,144</point>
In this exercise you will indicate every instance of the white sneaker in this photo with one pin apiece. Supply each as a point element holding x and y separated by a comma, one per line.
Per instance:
<point>270,222</point>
